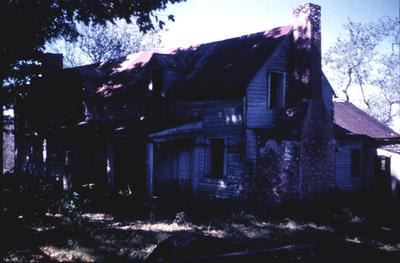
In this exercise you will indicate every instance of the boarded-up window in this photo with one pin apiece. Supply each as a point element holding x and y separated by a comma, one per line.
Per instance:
<point>276,90</point>
<point>216,158</point>
<point>355,163</point>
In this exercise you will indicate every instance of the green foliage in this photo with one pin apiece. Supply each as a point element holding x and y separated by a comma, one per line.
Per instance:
<point>34,22</point>
<point>27,25</point>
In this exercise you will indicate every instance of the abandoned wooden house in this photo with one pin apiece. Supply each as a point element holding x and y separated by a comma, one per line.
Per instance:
<point>245,117</point>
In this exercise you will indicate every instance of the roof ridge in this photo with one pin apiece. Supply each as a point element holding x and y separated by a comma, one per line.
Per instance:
<point>172,50</point>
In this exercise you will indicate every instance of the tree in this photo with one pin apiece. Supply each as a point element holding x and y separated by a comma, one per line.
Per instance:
<point>26,25</point>
<point>365,67</point>
<point>97,43</point>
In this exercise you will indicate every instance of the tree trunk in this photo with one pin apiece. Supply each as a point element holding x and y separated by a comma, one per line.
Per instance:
<point>1,119</point>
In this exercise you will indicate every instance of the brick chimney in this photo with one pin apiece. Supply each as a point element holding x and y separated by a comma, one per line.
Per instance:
<point>307,44</point>
<point>317,155</point>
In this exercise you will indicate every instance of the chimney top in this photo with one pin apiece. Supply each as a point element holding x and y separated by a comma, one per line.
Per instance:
<point>307,25</point>
<point>306,8</point>
<point>307,44</point>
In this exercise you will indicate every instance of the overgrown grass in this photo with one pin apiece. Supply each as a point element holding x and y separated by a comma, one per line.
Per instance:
<point>41,223</point>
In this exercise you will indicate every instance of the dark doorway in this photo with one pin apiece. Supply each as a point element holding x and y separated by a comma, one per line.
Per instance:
<point>382,177</point>
<point>89,163</point>
<point>130,168</point>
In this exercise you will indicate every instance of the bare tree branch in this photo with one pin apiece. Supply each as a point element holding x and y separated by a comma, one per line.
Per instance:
<point>365,66</point>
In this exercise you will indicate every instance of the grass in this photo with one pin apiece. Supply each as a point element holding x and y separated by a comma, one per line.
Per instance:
<point>47,225</point>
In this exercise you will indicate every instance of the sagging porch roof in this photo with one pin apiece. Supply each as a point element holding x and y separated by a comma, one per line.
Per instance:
<point>184,129</point>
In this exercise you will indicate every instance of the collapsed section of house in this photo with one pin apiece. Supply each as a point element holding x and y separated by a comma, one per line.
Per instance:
<point>247,117</point>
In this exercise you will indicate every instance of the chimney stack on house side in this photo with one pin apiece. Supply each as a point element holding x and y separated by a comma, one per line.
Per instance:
<point>307,44</point>
<point>317,147</point>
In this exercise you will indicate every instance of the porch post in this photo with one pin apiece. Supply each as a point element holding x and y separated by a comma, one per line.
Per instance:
<point>149,169</point>
<point>110,167</point>
<point>67,171</point>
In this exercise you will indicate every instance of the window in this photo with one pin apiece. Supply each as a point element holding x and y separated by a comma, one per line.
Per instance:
<point>216,160</point>
<point>355,163</point>
<point>276,90</point>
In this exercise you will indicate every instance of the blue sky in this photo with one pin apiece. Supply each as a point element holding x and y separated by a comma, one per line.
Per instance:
<point>201,21</point>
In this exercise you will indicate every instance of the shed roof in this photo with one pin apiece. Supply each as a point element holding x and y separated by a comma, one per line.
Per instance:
<point>351,120</point>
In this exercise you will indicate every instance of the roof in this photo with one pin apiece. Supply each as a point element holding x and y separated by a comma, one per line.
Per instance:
<point>230,64</point>
<point>186,128</point>
<point>351,120</point>
<point>219,69</point>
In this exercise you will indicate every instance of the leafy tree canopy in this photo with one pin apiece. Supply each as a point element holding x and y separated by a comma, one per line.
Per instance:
<point>364,66</point>
<point>97,43</point>
<point>26,25</point>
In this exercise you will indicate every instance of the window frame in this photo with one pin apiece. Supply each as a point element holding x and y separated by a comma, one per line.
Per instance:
<point>208,162</point>
<point>281,92</point>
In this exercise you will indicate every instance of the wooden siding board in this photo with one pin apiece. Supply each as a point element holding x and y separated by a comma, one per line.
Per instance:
<point>232,184</point>
<point>343,178</point>
<point>258,115</point>
<point>251,145</point>
<point>217,115</point>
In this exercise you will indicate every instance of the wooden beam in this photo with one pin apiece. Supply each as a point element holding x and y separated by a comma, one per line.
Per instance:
<point>149,169</point>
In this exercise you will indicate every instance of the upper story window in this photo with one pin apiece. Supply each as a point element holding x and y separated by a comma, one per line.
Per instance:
<point>276,90</point>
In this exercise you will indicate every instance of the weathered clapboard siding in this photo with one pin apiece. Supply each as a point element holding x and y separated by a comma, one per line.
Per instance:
<point>220,119</point>
<point>166,176</point>
<point>258,115</point>
<point>218,116</point>
<point>344,179</point>
<point>251,145</point>
<point>173,166</point>
<point>170,78</point>
<point>232,184</point>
